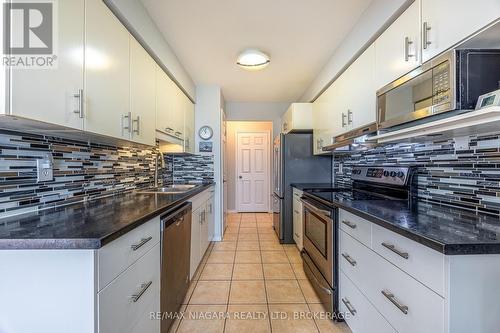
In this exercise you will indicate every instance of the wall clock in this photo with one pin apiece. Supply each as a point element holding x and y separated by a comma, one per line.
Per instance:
<point>206,132</point>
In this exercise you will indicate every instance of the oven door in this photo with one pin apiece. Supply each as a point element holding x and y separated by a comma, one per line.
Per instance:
<point>319,237</point>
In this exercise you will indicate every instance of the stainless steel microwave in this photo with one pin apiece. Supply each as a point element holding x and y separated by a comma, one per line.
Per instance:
<point>452,81</point>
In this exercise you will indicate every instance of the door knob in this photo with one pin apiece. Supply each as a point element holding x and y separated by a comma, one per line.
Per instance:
<point>240,177</point>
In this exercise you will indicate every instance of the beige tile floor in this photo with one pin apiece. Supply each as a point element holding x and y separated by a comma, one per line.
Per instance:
<point>249,282</point>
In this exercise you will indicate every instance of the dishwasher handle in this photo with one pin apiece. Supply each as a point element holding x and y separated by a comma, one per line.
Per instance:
<point>175,217</point>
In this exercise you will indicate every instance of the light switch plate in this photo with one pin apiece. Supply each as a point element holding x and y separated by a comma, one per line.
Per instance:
<point>45,169</point>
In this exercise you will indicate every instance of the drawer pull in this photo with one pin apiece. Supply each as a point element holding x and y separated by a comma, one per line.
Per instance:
<point>143,241</point>
<point>349,259</point>
<point>296,211</point>
<point>349,224</point>
<point>144,287</point>
<point>398,252</point>
<point>349,306</point>
<point>390,296</point>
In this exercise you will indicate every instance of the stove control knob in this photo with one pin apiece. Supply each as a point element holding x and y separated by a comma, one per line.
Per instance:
<point>401,174</point>
<point>393,173</point>
<point>386,173</point>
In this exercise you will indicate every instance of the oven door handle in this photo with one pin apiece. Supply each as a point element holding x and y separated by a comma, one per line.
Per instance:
<point>311,206</point>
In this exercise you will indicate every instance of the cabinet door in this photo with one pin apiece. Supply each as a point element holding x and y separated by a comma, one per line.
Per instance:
<point>204,222</point>
<point>360,92</point>
<point>326,122</point>
<point>211,219</point>
<point>189,123</point>
<point>164,102</point>
<point>178,112</point>
<point>195,241</point>
<point>142,94</point>
<point>49,95</point>
<point>398,48</point>
<point>450,21</point>
<point>107,72</point>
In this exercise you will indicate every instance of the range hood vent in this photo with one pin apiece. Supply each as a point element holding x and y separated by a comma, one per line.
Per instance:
<point>353,141</point>
<point>467,123</point>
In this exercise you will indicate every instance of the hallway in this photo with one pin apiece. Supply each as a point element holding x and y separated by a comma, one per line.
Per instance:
<point>252,283</point>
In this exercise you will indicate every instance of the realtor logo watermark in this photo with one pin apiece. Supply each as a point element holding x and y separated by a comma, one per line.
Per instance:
<point>29,34</point>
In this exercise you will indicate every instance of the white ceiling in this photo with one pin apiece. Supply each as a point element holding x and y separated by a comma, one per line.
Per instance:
<point>299,35</point>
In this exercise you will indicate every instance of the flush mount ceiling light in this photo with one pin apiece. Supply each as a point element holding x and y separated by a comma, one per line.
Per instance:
<point>253,60</point>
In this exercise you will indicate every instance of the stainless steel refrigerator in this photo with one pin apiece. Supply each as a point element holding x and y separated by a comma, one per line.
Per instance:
<point>294,162</point>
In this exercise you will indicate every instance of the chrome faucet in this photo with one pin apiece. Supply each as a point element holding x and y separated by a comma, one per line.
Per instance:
<point>159,163</point>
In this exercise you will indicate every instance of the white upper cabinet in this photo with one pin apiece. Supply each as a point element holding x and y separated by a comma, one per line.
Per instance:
<point>326,118</point>
<point>107,73</point>
<point>360,91</point>
<point>53,95</point>
<point>164,89</point>
<point>398,48</point>
<point>142,94</point>
<point>447,22</point>
<point>189,131</point>
<point>298,117</point>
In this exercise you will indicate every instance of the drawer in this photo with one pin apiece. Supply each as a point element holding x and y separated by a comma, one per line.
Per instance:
<point>364,318</point>
<point>356,226</point>
<point>354,260</point>
<point>145,324</point>
<point>408,305</point>
<point>421,262</point>
<point>124,302</point>
<point>116,256</point>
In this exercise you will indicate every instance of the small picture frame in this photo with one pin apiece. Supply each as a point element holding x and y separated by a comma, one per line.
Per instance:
<point>206,147</point>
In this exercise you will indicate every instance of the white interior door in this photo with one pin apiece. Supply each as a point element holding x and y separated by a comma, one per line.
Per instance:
<point>253,172</point>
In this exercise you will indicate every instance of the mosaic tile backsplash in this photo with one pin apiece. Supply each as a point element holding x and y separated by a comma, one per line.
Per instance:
<point>464,178</point>
<point>189,169</point>
<point>82,171</point>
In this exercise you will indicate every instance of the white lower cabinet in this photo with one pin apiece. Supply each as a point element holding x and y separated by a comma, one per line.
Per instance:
<point>124,303</point>
<point>297,218</point>
<point>399,289</point>
<point>360,314</point>
<point>202,227</point>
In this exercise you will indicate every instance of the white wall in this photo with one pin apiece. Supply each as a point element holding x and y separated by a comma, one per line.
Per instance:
<point>250,111</point>
<point>133,14</point>
<point>208,111</point>
<point>378,15</point>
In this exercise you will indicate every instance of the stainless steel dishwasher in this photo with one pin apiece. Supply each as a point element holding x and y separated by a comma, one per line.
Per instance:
<point>175,262</point>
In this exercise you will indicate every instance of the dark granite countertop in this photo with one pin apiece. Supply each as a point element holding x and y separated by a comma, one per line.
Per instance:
<point>449,230</point>
<point>87,225</point>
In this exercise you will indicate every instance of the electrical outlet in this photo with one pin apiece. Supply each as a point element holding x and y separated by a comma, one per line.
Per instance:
<point>45,168</point>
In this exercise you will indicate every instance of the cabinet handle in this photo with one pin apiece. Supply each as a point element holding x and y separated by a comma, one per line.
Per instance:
<point>408,42</point>
<point>210,208</point>
<point>349,259</point>
<point>178,133</point>
<point>296,211</point>
<point>349,306</point>
<point>138,122</point>
<point>169,129</point>
<point>143,241</point>
<point>390,296</point>
<point>128,117</point>
<point>344,124</point>
<point>296,235</point>
<point>425,34</point>
<point>398,252</point>
<point>81,103</point>
<point>144,287</point>
<point>349,117</point>
<point>349,224</point>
